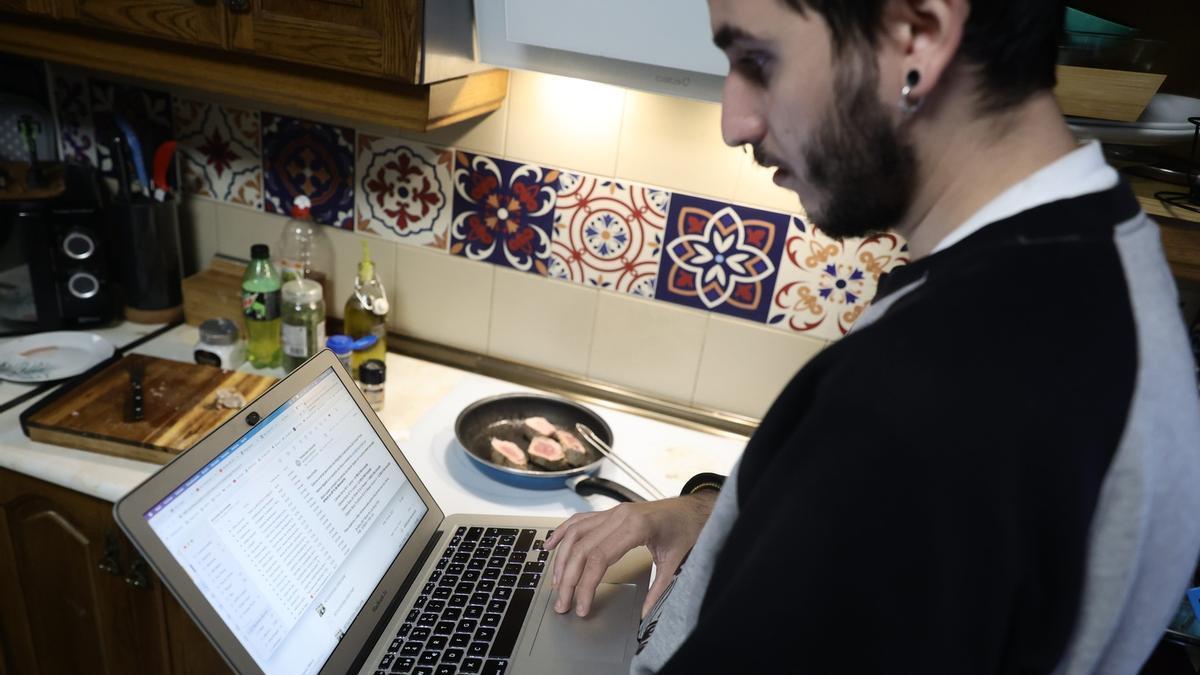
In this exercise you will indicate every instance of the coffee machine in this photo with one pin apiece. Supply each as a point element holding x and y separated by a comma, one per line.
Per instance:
<point>54,256</point>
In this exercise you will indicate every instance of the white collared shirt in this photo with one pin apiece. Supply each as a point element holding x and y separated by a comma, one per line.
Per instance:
<point>1080,172</point>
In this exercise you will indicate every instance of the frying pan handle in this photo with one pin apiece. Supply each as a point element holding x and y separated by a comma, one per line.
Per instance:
<point>590,485</point>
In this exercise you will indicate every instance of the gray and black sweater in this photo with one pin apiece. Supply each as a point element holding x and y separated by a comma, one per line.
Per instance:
<point>997,471</point>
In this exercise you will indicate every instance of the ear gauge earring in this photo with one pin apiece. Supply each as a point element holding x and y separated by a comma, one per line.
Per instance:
<point>908,104</point>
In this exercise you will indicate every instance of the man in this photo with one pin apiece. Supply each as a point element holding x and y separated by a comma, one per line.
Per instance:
<point>996,470</point>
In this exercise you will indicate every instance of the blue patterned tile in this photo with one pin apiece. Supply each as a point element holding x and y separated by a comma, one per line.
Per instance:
<point>503,212</point>
<point>608,234</point>
<point>148,112</point>
<point>313,159</point>
<point>721,258</point>
<point>76,133</point>
<point>219,151</point>
<point>404,191</point>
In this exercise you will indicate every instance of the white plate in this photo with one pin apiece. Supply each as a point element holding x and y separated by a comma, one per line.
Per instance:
<point>51,356</point>
<point>1164,122</point>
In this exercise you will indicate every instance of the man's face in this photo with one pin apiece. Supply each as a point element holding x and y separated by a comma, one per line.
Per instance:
<point>814,114</point>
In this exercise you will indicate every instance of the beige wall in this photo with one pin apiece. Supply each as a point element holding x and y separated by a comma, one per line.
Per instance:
<point>674,352</point>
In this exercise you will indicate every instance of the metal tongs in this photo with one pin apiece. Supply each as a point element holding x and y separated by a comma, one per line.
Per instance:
<point>591,437</point>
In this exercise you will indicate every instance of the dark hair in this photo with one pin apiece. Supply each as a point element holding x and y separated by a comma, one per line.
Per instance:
<point>1012,43</point>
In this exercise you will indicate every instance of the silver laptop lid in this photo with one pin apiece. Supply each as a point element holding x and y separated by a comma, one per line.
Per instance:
<point>289,531</point>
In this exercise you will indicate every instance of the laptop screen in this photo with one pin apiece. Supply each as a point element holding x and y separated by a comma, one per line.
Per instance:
<point>288,531</point>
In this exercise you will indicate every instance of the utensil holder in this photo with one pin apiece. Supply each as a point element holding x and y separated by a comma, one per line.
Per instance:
<point>151,269</point>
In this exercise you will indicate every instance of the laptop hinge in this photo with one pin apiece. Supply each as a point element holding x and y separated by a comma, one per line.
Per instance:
<point>394,605</point>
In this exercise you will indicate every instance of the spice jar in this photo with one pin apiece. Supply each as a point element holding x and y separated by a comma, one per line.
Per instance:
<point>303,328</point>
<point>371,375</point>
<point>341,346</point>
<point>220,345</point>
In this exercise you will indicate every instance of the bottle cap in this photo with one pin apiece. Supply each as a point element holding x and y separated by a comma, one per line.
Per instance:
<point>218,332</point>
<point>366,268</point>
<point>372,372</point>
<point>302,291</point>
<point>340,344</point>
<point>301,206</point>
<point>260,252</point>
<point>365,342</point>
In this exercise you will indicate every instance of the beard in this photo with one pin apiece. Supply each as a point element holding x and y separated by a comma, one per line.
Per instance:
<point>860,163</point>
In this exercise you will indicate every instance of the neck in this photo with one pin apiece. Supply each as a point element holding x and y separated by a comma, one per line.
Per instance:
<point>967,161</point>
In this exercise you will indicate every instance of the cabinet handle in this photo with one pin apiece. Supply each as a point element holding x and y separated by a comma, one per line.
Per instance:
<point>111,562</point>
<point>238,6</point>
<point>137,575</point>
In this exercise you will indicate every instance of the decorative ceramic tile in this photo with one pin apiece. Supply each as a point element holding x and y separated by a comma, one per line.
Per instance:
<point>403,191</point>
<point>608,234</point>
<point>148,113</point>
<point>824,285</point>
<point>721,258</point>
<point>76,133</point>
<point>309,158</point>
<point>503,212</point>
<point>219,151</point>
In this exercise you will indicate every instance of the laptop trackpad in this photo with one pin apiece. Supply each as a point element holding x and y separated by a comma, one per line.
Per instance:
<point>599,637</point>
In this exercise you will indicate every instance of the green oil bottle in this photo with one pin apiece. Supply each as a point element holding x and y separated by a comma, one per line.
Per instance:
<point>260,308</point>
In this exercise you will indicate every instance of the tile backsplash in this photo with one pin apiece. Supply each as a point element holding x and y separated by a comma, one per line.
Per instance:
<point>582,227</point>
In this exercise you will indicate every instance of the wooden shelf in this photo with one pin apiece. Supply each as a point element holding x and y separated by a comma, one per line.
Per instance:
<point>316,90</point>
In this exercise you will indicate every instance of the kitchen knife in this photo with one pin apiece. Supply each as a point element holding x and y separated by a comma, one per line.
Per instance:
<point>135,405</point>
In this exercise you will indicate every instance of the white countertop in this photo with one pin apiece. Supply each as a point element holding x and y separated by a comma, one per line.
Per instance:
<point>422,401</point>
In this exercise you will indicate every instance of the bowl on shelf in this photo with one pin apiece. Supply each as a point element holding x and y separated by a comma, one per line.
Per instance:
<point>1164,122</point>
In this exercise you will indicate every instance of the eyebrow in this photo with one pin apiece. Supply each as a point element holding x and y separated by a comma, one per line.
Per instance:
<point>726,35</point>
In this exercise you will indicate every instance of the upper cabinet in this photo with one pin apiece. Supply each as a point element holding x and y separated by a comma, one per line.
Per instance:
<point>193,21</point>
<point>376,37</point>
<point>30,6</point>
<point>403,63</point>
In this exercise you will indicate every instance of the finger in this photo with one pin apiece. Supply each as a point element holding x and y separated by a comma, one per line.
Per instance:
<point>561,530</point>
<point>572,535</point>
<point>662,581</point>
<point>572,568</point>
<point>594,567</point>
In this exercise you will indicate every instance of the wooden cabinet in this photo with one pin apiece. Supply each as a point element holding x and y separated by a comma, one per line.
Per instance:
<point>394,63</point>
<point>77,598</point>
<point>29,6</point>
<point>194,21</point>
<point>377,37</point>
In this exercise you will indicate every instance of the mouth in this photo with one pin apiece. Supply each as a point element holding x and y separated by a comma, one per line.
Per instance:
<point>782,176</point>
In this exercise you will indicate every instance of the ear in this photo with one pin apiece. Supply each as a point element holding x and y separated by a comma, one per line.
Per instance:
<point>922,36</point>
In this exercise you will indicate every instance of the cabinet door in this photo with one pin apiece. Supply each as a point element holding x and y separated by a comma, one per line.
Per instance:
<point>80,618</point>
<point>376,37</point>
<point>191,652</point>
<point>29,7</point>
<point>191,21</point>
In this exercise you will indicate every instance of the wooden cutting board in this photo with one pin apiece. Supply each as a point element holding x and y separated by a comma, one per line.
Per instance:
<point>180,408</point>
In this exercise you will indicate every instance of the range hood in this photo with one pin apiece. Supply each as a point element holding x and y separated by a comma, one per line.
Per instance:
<point>664,46</point>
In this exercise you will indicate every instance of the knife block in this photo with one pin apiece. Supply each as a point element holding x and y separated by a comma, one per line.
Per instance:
<point>147,232</point>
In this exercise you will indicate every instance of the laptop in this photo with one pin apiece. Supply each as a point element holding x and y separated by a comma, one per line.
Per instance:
<point>300,540</point>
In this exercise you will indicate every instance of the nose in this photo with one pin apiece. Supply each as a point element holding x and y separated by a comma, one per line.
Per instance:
<point>742,120</point>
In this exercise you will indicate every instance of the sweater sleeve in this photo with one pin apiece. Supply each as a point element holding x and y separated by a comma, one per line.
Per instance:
<point>864,561</point>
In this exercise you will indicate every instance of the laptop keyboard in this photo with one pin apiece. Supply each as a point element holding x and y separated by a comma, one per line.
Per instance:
<point>471,609</point>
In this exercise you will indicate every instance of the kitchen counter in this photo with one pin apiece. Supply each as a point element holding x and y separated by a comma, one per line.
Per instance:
<point>422,402</point>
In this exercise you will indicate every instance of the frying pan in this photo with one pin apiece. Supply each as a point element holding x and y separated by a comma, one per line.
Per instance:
<point>489,418</point>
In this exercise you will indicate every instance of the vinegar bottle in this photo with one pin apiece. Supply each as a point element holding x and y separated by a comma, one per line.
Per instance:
<point>366,313</point>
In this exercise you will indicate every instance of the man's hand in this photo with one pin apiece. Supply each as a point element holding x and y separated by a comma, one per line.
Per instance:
<point>588,543</point>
